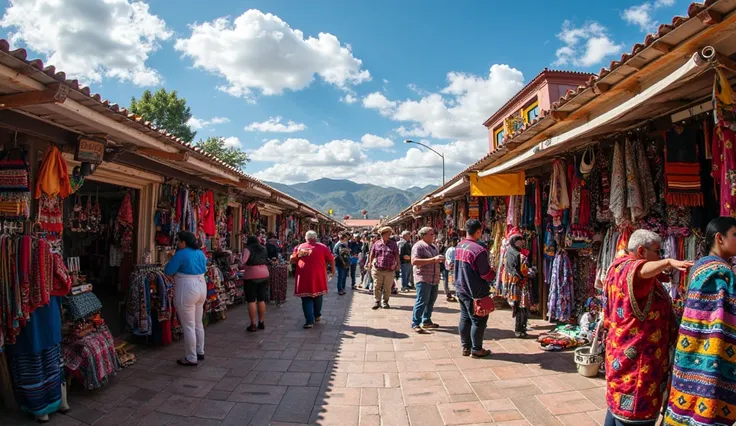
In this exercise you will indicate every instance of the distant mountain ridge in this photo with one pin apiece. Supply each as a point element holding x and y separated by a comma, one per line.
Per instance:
<point>346,197</point>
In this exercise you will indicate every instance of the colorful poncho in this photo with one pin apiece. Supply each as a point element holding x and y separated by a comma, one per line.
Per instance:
<point>703,390</point>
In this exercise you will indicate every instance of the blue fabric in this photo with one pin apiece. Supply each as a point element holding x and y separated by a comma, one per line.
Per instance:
<point>423,307</point>
<point>312,307</point>
<point>471,327</point>
<point>187,261</point>
<point>42,331</point>
<point>342,276</point>
<point>406,272</point>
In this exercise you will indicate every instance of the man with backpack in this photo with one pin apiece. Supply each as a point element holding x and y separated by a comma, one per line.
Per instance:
<point>341,251</point>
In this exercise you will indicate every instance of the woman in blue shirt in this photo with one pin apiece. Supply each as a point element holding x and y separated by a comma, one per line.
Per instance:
<point>188,267</point>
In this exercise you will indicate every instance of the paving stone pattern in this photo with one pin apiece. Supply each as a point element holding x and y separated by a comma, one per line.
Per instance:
<point>357,367</point>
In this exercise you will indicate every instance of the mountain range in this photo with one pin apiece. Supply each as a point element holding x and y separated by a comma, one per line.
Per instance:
<point>346,197</point>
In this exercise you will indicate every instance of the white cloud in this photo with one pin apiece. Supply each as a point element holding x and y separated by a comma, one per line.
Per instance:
<point>585,46</point>
<point>232,141</point>
<point>458,111</point>
<point>349,98</point>
<point>261,52</point>
<point>641,15</point>
<point>377,100</point>
<point>418,167</point>
<point>90,39</point>
<point>195,123</point>
<point>372,141</point>
<point>274,125</point>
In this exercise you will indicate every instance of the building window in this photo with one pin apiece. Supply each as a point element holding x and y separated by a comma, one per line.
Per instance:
<point>531,112</point>
<point>498,137</point>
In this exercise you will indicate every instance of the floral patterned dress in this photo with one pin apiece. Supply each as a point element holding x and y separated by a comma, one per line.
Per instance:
<point>561,289</point>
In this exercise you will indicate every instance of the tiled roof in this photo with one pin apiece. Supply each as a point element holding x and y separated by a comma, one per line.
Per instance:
<point>129,119</point>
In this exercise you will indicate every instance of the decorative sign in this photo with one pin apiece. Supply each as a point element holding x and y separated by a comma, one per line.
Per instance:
<point>90,151</point>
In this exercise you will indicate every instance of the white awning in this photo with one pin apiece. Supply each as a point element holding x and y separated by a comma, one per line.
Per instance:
<point>450,188</point>
<point>696,61</point>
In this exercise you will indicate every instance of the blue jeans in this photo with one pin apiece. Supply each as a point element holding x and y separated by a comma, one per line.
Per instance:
<point>312,307</point>
<point>471,327</point>
<point>406,271</point>
<point>342,276</point>
<point>426,296</point>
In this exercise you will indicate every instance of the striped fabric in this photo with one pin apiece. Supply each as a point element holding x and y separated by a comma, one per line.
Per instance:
<point>37,380</point>
<point>703,390</point>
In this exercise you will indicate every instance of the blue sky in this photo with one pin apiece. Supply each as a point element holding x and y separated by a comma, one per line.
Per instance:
<point>331,88</point>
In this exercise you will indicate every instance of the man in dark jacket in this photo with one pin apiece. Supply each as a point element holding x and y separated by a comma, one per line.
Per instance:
<point>472,274</point>
<point>405,246</point>
<point>355,249</point>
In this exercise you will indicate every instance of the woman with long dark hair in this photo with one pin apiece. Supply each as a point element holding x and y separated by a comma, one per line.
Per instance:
<point>702,390</point>
<point>515,280</point>
<point>255,273</point>
<point>188,266</point>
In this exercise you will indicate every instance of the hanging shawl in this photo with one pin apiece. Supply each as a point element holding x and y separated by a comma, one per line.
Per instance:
<point>648,194</point>
<point>53,176</point>
<point>682,167</point>
<point>626,195</point>
<point>633,190</point>
<point>558,195</point>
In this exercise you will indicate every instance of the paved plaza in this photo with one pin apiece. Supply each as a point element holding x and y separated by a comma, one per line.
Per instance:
<point>357,367</point>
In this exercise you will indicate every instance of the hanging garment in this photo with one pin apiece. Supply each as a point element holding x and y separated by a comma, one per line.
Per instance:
<point>681,167</point>
<point>207,209</point>
<point>648,194</point>
<point>15,191</point>
<point>561,289</point>
<point>559,199</point>
<point>626,195</point>
<point>53,176</point>
<point>724,168</point>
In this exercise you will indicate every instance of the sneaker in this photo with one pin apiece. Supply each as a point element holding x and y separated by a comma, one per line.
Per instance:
<point>308,325</point>
<point>317,319</point>
<point>419,330</point>
<point>405,290</point>
<point>261,326</point>
<point>466,351</point>
<point>200,357</point>
<point>376,306</point>
<point>386,306</point>
<point>430,325</point>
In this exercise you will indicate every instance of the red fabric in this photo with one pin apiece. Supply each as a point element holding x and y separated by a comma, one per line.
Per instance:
<point>311,270</point>
<point>166,338</point>
<point>639,336</point>
<point>207,207</point>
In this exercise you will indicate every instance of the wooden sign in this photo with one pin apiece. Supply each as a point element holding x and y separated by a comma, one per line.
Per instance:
<point>90,151</point>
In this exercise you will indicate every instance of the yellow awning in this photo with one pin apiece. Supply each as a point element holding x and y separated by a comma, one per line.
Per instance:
<point>497,185</point>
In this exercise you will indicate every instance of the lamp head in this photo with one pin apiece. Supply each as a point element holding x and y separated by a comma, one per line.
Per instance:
<point>408,141</point>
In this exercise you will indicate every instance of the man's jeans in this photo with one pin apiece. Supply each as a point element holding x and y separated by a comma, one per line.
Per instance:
<point>342,276</point>
<point>426,296</point>
<point>471,327</point>
<point>406,272</point>
<point>312,307</point>
<point>353,268</point>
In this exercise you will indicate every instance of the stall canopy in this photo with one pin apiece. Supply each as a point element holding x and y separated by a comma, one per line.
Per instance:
<point>504,184</point>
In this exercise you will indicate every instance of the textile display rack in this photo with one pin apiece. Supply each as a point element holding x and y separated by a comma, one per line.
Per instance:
<point>149,306</point>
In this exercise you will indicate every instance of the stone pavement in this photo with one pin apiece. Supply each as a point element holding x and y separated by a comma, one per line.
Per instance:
<point>356,367</point>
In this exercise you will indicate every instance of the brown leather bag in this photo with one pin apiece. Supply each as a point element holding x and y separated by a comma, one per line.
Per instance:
<point>483,306</point>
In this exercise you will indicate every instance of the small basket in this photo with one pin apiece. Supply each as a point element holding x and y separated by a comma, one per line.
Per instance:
<point>587,363</point>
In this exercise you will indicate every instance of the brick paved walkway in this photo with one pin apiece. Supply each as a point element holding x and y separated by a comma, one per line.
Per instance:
<point>357,367</point>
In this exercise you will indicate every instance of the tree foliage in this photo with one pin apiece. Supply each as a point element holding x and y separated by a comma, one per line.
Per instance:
<point>165,110</point>
<point>216,146</point>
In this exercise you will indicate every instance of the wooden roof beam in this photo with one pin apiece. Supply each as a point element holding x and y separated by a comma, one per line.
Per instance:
<point>559,115</point>
<point>164,155</point>
<point>54,93</point>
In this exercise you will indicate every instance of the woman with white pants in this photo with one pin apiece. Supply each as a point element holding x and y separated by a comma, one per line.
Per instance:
<point>188,266</point>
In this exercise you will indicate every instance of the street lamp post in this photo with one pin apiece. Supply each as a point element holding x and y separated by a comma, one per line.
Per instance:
<point>441,156</point>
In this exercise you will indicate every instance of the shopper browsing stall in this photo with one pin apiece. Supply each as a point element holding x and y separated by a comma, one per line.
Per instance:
<point>255,273</point>
<point>702,385</point>
<point>311,259</point>
<point>640,323</point>
<point>426,262</point>
<point>188,266</point>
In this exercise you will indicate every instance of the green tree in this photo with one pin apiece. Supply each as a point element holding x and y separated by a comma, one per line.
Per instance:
<point>166,110</point>
<point>231,155</point>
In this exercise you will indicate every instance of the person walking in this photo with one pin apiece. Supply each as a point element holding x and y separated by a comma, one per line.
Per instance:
<point>355,248</point>
<point>448,274</point>
<point>311,259</point>
<point>384,261</point>
<point>254,263</point>
<point>641,327</point>
<point>188,266</point>
<point>426,262</point>
<point>405,260</point>
<point>515,280</point>
<point>472,275</point>
<point>341,252</point>
<point>702,388</point>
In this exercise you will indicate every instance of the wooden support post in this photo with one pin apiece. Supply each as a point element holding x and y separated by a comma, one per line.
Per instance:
<point>54,93</point>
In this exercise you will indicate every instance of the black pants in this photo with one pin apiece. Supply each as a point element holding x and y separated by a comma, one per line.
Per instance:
<point>612,421</point>
<point>471,327</point>
<point>522,316</point>
<point>353,267</point>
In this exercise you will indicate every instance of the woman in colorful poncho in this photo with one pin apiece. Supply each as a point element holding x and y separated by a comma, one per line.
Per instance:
<point>640,323</point>
<point>703,390</point>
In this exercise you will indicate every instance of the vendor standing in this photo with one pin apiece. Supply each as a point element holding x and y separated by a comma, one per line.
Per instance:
<point>188,266</point>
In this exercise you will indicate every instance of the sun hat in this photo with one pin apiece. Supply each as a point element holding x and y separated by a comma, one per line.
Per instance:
<point>385,229</point>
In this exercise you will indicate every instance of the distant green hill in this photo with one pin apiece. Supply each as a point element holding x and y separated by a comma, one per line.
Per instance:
<point>346,197</point>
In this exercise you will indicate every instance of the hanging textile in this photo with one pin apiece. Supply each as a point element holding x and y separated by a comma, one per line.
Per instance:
<point>150,292</point>
<point>558,197</point>
<point>626,195</point>
<point>92,360</point>
<point>207,209</point>
<point>681,167</point>
<point>723,143</point>
<point>53,176</point>
<point>561,289</point>
<point>497,185</point>
<point>15,185</point>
